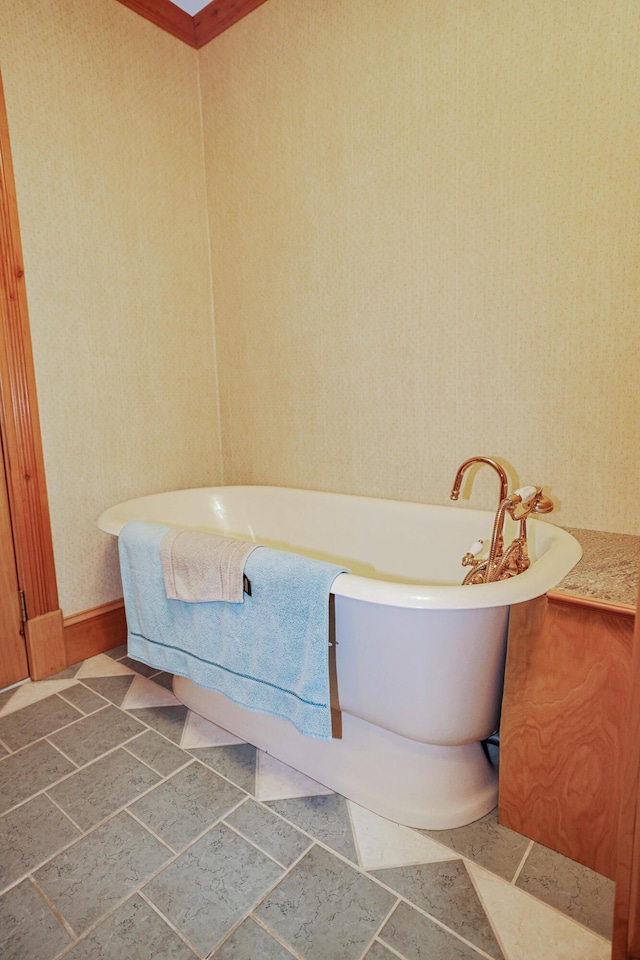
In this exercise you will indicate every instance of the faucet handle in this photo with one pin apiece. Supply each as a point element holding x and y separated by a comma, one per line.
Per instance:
<point>526,493</point>
<point>533,500</point>
<point>469,558</point>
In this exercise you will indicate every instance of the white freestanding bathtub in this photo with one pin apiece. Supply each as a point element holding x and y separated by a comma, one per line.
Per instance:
<point>419,658</point>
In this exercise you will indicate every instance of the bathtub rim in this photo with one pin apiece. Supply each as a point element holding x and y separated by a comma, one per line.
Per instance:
<point>544,574</point>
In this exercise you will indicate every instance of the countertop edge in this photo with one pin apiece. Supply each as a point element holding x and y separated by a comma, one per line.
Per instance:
<point>580,600</point>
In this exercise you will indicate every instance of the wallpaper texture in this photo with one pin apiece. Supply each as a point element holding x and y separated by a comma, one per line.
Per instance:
<point>425,246</point>
<point>104,120</point>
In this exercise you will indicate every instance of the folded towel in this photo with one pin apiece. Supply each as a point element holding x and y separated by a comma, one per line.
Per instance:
<point>269,653</point>
<point>199,567</point>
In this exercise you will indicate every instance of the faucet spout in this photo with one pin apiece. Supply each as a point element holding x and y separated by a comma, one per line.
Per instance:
<point>504,483</point>
<point>501,563</point>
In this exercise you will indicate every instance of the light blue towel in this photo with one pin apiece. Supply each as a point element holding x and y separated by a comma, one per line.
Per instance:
<point>269,653</point>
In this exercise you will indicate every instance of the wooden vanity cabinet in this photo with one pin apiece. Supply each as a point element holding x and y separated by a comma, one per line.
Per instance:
<point>567,679</point>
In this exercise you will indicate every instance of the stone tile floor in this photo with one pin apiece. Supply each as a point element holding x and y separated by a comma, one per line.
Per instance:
<point>131,829</point>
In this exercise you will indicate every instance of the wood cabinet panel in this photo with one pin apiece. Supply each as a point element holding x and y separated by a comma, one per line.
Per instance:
<point>566,686</point>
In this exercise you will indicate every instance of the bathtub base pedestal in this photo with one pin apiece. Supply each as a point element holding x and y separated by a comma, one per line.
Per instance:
<point>421,785</point>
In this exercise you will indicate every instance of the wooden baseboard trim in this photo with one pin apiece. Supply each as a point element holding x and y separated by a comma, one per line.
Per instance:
<point>94,631</point>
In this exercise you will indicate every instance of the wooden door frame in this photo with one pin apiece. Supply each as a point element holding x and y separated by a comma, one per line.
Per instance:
<point>20,426</point>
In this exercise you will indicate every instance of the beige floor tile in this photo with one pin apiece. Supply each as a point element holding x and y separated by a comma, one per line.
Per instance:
<point>29,693</point>
<point>199,732</point>
<point>102,666</point>
<point>277,781</point>
<point>528,929</point>
<point>381,843</point>
<point>146,693</point>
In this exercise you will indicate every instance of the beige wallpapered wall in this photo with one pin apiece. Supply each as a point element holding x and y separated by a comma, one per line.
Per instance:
<point>104,120</point>
<point>425,243</point>
<point>424,246</point>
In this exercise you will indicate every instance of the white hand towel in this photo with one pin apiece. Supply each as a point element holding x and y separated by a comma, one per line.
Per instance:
<point>199,567</point>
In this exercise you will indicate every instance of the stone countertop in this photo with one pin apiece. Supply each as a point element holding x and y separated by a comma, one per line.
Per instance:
<point>608,570</point>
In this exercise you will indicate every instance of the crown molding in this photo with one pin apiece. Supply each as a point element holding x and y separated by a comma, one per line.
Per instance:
<point>196,31</point>
<point>166,16</point>
<point>218,16</point>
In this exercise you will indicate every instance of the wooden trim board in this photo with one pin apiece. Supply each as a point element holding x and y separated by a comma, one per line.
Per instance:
<point>45,645</point>
<point>94,631</point>
<point>624,609</point>
<point>195,31</point>
<point>167,16</point>
<point>21,440</point>
<point>218,16</point>
<point>19,409</point>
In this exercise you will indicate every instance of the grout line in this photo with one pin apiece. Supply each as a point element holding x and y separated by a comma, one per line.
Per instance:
<point>67,926</point>
<point>155,836</point>
<point>253,843</point>
<point>268,893</point>
<point>522,863</point>
<point>378,932</point>
<point>276,936</point>
<point>204,764</point>
<point>391,949</point>
<point>129,714</point>
<point>201,763</point>
<point>101,756</point>
<point>93,926</point>
<point>163,776</point>
<point>6,712</point>
<point>145,899</point>
<point>83,832</point>
<point>78,683</point>
<point>61,752</point>
<point>123,806</point>
<point>177,853</point>
<point>40,793</point>
<point>354,834</point>
<point>487,912</point>
<point>49,696</point>
<point>38,866</point>
<point>36,793</point>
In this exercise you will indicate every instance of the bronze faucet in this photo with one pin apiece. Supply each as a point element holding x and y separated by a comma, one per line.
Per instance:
<point>502,564</point>
<point>504,483</point>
